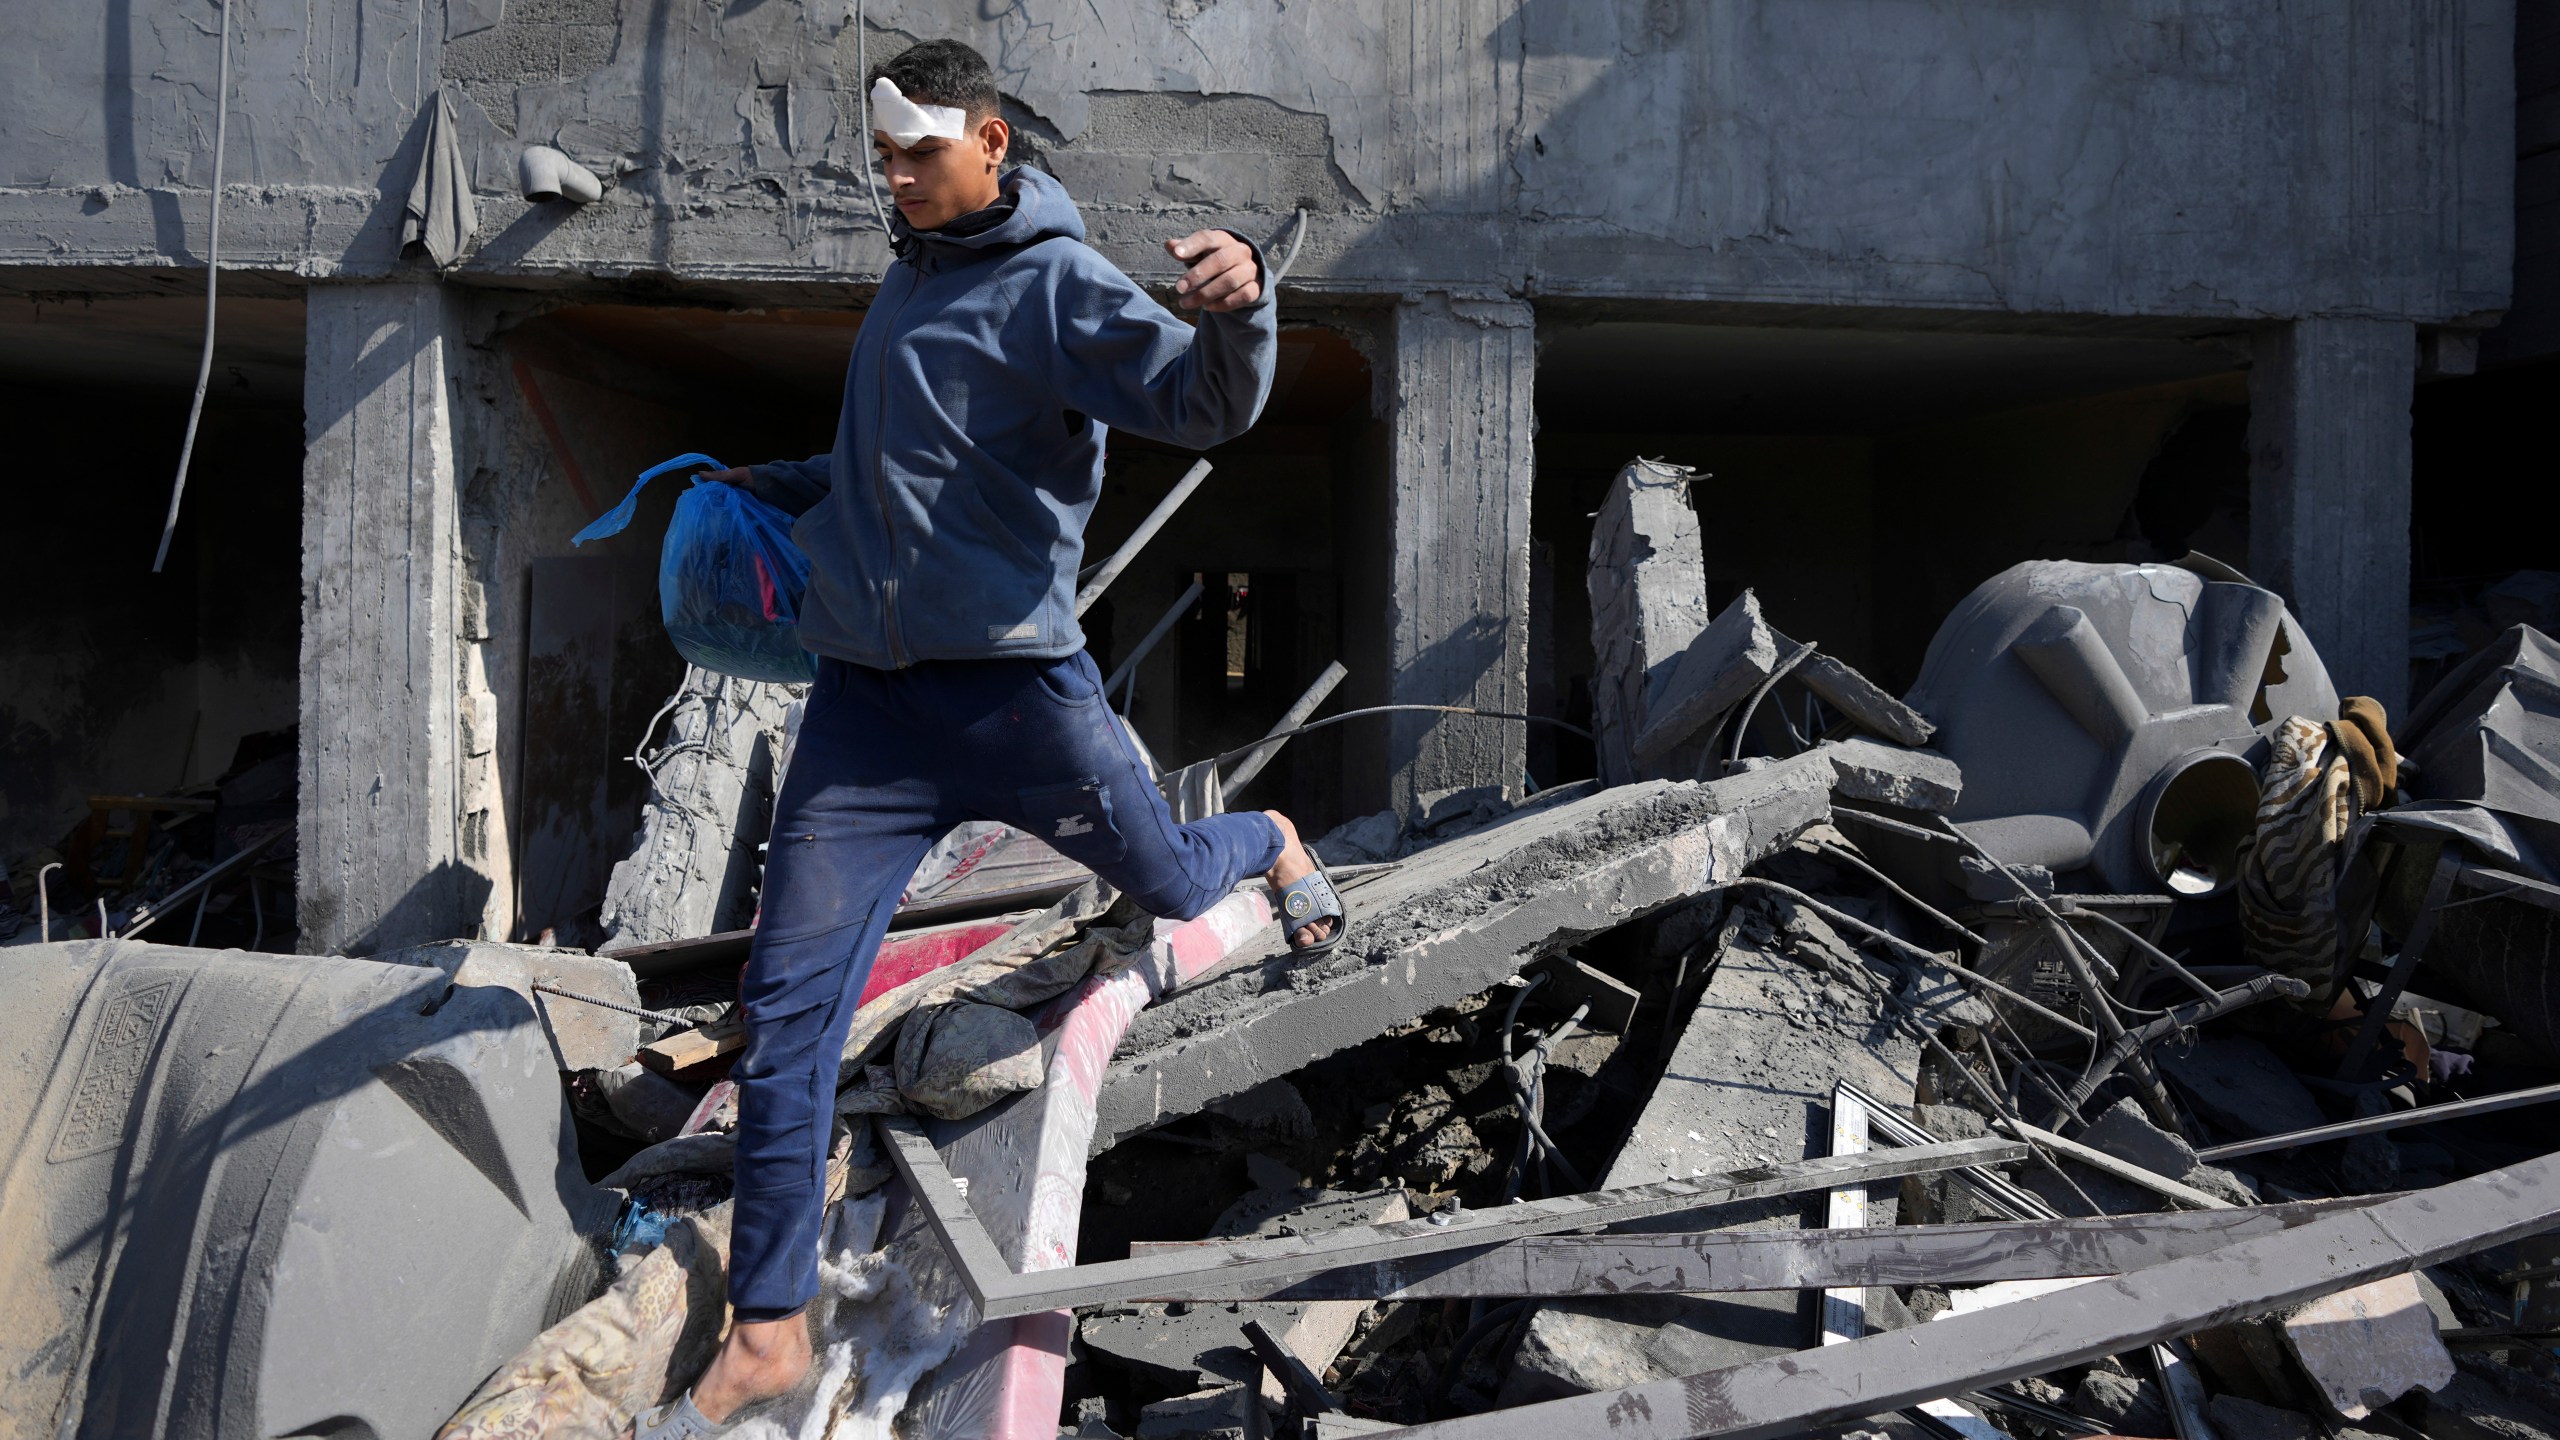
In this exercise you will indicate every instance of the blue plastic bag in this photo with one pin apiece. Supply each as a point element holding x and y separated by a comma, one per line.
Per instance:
<point>729,578</point>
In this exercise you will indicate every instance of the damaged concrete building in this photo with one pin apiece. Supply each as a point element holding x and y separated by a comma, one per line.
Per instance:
<point>1914,462</point>
<point>1924,292</point>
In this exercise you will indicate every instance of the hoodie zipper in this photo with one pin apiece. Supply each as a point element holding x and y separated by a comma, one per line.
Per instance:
<point>880,478</point>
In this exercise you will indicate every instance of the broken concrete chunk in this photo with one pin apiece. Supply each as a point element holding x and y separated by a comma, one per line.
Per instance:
<point>1854,695</point>
<point>2368,1346</point>
<point>584,1037</point>
<point>2237,1083</point>
<point>1450,922</point>
<point>2127,1405</point>
<point>1719,670</point>
<point>1883,774</point>
<point>2471,1407</point>
<point>1369,839</point>
<point>1181,1347</point>
<point>1209,1413</point>
<point>1750,1083</point>
<point>1648,586</point>
<point>710,804</point>
<point>2128,1134</point>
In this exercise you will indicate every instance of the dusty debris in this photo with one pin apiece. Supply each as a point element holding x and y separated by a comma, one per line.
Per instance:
<point>1678,1097</point>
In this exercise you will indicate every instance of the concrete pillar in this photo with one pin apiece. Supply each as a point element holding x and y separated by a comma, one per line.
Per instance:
<point>2329,491</point>
<point>383,818</point>
<point>1457,623</point>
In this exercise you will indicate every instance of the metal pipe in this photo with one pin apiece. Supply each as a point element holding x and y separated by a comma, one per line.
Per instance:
<point>1251,765</point>
<point>2129,1043</point>
<point>2158,955</point>
<point>1847,856</point>
<point>1226,756</point>
<point>1162,627</point>
<point>1138,539</point>
<point>142,918</point>
<point>2376,1124</point>
<point>44,902</point>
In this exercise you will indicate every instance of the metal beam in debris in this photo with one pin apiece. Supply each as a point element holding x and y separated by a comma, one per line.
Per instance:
<point>1785,1394</point>
<point>1264,1265</point>
<point>1723,1261</point>
<point>2376,1124</point>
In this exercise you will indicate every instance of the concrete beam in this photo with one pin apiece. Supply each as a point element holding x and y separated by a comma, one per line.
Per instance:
<point>2329,491</point>
<point>388,834</point>
<point>1648,583</point>
<point>1448,923</point>
<point>1458,592</point>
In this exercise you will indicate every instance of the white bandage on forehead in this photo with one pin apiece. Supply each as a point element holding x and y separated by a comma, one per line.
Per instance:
<point>908,122</point>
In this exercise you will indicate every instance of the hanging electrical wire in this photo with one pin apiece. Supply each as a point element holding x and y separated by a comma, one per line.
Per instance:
<point>212,269</point>
<point>870,161</point>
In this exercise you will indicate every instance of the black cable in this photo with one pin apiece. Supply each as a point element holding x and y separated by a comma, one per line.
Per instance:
<point>1742,722</point>
<point>1473,1336</point>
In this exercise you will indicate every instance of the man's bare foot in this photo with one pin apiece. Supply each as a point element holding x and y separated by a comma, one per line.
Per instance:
<point>1292,866</point>
<point>759,1360</point>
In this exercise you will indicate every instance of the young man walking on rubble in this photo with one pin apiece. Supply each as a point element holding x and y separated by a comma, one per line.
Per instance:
<point>944,534</point>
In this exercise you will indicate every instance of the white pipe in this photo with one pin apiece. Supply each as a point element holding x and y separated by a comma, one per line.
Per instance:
<point>549,175</point>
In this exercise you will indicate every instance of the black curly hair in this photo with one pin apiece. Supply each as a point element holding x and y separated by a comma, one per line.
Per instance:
<point>942,72</point>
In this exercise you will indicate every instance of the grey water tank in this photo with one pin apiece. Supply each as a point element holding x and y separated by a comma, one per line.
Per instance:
<point>267,1195</point>
<point>2105,715</point>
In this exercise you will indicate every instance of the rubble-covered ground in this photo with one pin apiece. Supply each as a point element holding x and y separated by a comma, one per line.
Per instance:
<point>2122,891</point>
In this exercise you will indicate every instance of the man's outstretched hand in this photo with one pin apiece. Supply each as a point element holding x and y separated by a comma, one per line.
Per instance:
<point>1223,273</point>
<point>743,477</point>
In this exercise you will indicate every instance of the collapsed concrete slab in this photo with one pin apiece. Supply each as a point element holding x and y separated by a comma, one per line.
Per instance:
<point>1751,1082</point>
<point>1449,922</point>
<point>240,1180</point>
<point>1722,666</point>
<point>583,1036</point>
<point>710,804</point>
<point>1895,775</point>
<point>1648,583</point>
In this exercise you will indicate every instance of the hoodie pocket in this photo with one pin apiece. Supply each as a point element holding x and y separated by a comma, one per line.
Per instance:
<point>1075,820</point>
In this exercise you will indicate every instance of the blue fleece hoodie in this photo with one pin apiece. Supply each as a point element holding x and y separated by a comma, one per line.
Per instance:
<point>948,522</point>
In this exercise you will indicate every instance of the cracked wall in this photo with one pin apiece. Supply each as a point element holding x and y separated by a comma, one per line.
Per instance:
<point>2207,158</point>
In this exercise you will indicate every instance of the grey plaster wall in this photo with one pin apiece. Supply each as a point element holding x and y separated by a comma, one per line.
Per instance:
<point>2158,157</point>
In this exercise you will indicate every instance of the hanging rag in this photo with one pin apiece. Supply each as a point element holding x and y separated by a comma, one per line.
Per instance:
<point>2318,780</point>
<point>440,215</point>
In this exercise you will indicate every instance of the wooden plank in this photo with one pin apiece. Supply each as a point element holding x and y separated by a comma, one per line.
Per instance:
<point>1275,1261</point>
<point>1791,1393</point>
<point>1722,1261</point>
<point>677,1053</point>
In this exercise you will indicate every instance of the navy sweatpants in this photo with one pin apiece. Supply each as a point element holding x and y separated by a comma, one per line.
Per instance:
<point>886,763</point>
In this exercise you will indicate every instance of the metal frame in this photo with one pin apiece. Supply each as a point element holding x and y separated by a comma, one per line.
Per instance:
<point>1269,1264</point>
<point>1785,1394</point>
<point>1727,1261</point>
<point>2449,871</point>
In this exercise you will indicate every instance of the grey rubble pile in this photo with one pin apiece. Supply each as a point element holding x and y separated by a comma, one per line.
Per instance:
<point>2112,1035</point>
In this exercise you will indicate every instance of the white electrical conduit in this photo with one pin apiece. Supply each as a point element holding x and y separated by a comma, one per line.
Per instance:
<point>212,269</point>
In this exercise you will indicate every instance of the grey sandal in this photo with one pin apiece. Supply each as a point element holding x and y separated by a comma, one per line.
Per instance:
<point>1307,901</point>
